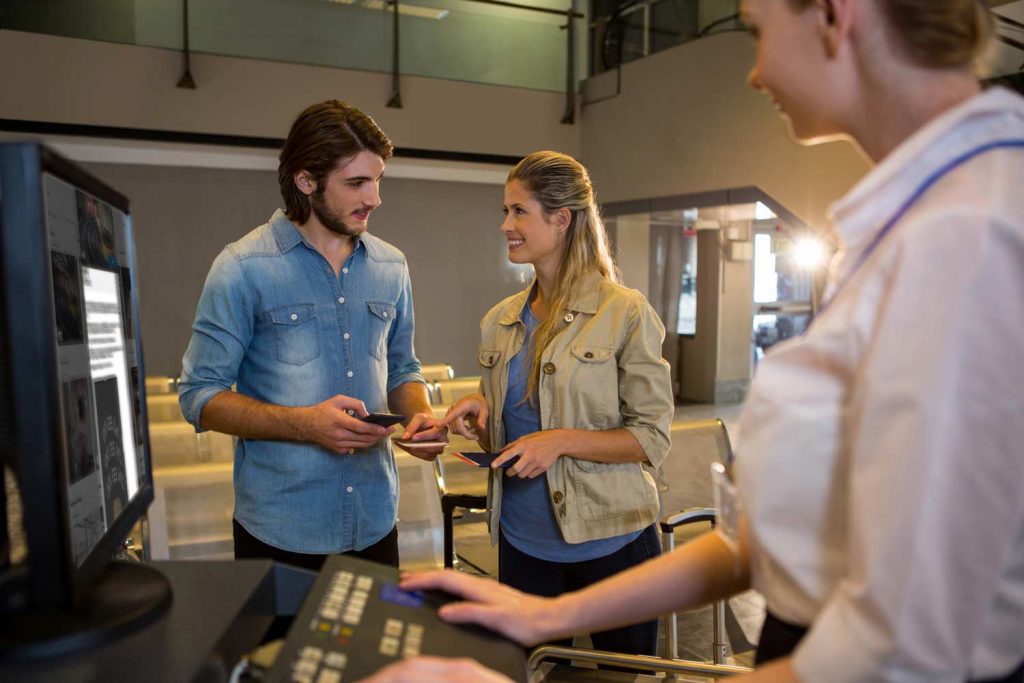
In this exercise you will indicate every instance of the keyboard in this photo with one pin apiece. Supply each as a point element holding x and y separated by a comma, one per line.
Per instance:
<point>357,620</point>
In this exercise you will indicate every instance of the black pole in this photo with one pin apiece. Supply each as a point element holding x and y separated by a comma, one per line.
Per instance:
<point>395,101</point>
<point>186,80</point>
<point>569,116</point>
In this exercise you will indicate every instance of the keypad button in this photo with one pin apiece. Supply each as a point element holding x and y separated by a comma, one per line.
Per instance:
<point>389,646</point>
<point>338,660</point>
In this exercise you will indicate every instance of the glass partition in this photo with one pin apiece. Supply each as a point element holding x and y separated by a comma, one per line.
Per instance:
<point>519,44</point>
<point>621,32</point>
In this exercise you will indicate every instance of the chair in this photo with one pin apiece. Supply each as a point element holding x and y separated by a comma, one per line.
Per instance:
<point>684,481</point>
<point>461,486</point>
<point>437,371</point>
<point>449,391</point>
<point>686,486</point>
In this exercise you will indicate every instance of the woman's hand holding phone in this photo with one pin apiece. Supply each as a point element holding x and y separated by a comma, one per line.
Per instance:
<point>536,453</point>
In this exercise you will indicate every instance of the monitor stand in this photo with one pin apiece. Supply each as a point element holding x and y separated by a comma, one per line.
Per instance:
<point>126,597</point>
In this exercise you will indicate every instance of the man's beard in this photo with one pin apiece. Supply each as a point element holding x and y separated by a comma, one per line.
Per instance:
<point>329,220</point>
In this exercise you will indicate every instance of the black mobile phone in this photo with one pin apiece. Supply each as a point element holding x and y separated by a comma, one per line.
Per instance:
<point>484,459</point>
<point>382,419</point>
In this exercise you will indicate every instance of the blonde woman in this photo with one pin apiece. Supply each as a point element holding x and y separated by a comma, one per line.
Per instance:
<point>576,393</point>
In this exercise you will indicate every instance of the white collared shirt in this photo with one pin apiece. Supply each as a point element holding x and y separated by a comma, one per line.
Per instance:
<point>881,455</point>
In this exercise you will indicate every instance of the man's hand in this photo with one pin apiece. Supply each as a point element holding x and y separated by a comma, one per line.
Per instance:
<point>468,417</point>
<point>536,451</point>
<point>335,425</point>
<point>424,427</point>
<point>437,670</point>
<point>525,618</point>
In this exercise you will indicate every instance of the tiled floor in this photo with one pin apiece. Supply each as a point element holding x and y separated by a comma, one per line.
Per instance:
<point>695,627</point>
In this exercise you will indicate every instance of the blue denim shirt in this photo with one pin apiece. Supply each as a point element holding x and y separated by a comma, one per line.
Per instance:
<point>276,321</point>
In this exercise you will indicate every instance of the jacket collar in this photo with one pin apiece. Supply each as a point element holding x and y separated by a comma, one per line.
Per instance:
<point>584,300</point>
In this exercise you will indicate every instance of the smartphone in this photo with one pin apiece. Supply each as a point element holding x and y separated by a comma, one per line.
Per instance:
<point>484,459</point>
<point>382,419</point>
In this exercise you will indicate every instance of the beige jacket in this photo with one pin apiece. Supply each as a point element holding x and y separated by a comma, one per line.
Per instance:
<point>603,370</point>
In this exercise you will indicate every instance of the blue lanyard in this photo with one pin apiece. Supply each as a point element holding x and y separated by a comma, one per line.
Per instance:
<point>935,177</point>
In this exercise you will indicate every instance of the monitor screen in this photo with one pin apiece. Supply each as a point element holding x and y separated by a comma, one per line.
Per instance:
<point>98,369</point>
<point>73,430</point>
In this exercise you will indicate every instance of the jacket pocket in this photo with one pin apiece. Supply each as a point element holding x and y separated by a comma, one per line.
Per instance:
<point>489,357</point>
<point>296,333</point>
<point>604,490</point>
<point>588,353</point>
<point>382,314</point>
<point>590,387</point>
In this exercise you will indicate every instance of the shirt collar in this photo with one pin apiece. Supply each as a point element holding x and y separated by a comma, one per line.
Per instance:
<point>584,299</point>
<point>288,236</point>
<point>880,194</point>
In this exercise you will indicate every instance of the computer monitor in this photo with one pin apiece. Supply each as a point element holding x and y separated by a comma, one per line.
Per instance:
<point>73,429</point>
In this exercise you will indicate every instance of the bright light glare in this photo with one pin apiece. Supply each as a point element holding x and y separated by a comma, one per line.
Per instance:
<point>809,253</point>
<point>762,212</point>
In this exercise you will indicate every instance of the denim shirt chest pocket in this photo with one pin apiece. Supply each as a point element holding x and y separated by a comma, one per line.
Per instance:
<point>296,333</point>
<point>382,314</point>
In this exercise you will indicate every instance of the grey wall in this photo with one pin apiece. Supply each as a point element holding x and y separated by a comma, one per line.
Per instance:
<point>184,216</point>
<point>69,80</point>
<point>687,122</point>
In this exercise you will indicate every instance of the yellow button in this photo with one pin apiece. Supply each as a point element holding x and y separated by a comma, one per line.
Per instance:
<point>549,368</point>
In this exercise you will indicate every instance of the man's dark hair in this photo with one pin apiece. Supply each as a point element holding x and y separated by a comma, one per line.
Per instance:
<point>323,135</point>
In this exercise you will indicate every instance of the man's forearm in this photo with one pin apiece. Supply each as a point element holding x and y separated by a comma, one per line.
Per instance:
<point>409,399</point>
<point>239,415</point>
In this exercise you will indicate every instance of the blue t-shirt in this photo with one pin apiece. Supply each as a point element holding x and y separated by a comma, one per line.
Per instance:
<point>527,519</point>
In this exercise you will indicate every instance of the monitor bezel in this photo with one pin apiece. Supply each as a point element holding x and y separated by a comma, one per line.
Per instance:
<point>39,410</point>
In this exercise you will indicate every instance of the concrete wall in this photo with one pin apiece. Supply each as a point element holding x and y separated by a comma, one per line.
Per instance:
<point>69,80</point>
<point>632,251</point>
<point>686,121</point>
<point>183,217</point>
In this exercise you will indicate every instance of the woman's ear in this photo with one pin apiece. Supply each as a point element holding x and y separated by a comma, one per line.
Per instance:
<point>563,217</point>
<point>834,19</point>
<point>305,182</point>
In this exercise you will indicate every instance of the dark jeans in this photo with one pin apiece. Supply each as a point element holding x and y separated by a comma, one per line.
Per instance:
<point>779,639</point>
<point>549,579</point>
<point>248,546</point>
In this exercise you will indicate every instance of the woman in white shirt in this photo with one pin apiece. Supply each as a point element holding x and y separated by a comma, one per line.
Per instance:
<point>879,462</point>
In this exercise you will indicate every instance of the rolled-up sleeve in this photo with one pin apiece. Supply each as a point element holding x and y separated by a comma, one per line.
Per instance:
<point>403,366</point>
<point>645,384</point>
<point>934,501</point>
<point>221,334</point>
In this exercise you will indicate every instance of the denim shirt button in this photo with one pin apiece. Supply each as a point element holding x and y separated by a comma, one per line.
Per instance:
<point>349,373</point>
<point>549,368</point>
<point>295,316</point>
<point>345,270</point>
<point>345,336</point>
<point>349,489</point>
<point>341,299</point>
<point>557,497</point>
